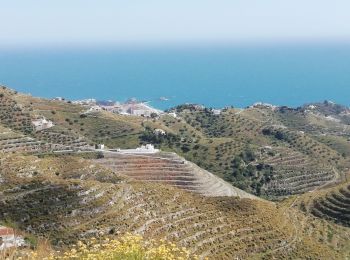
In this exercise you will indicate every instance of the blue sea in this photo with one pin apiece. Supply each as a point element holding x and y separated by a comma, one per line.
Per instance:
<point>215,77</point>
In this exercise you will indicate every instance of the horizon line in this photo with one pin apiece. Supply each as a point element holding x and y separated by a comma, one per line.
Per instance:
<point>177,45</point>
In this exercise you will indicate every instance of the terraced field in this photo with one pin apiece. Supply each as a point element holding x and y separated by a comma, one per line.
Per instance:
<point>11,113</point>
<point>296,173</point>
<point>63,138</point>
<point>169,168</point>
<point>334,205</point>
<point>66,209</point>
<point>41,142</point>
<point>214,142</point>
<point>289,155</point>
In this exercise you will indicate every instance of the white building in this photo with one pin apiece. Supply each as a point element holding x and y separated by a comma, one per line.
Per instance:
<point>42,123</point>
<point>216,111</point>
<point>312,107</point>
<point>159,131</point>
<point>100,147</point>
<point>58,99</point>
<point>173,114</point>
<point>8,239</point>
<point>144,149</point>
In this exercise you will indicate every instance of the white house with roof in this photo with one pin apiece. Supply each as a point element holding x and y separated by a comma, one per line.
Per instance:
<point>42,123</point>
<point>9,239</point>
<point>99,146</point>
<point>216,111</point>
<point>144,149</point>
<point>173,114</point>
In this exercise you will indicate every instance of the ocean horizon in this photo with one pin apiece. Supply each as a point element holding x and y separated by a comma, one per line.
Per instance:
<point>214,77</point>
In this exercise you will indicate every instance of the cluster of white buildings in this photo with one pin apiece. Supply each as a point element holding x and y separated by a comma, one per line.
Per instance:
<point>131,107</point>
<point>86,102</point>
<point>263,105</point>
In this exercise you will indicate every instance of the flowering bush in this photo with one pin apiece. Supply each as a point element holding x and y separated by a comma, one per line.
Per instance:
<point>128,247</point>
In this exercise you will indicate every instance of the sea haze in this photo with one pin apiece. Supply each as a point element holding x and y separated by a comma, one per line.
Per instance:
<point>215,77</point>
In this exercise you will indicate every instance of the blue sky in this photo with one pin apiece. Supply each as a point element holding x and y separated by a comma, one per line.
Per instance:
<point>176,22</point>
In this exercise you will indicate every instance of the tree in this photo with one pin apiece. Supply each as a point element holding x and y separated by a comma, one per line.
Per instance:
<point>154,115</point>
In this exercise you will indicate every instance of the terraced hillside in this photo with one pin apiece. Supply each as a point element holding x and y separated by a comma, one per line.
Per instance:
<point>277,153</point>
<point>255,150</point>
<point>169,168</point>
<point>12,113</point>
<point>331,204</point>
<point>97,127</point>
<point>17,131</point>
<point>55,135</point>
<point>296,173</point>
<point>11,141</point>
<point>267,151</point>
<point>69,205</point>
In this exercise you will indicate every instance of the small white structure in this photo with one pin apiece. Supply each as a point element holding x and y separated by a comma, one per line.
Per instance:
<point>8,238</point>
<point>42,123</point>
<point>173,114</point>
<point>312,107</point>
<point>58,99</point>
<point>216,111</point>
<point>144,149</point>
<point>159,131</point>
<point>267,147</point>
<point>93,109</point>
<point>99,146</point>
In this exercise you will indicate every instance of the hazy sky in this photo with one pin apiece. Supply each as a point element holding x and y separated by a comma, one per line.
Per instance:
<point>165,22</point>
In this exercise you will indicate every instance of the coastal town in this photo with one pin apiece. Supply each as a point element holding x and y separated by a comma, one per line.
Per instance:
<point>130,107</point>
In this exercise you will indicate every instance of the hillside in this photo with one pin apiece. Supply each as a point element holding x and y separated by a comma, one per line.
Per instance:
<point>77,200</point>
<point>257,183</point>
<point>270,152</point>
<point>169,168</point>
<point>331,204</point>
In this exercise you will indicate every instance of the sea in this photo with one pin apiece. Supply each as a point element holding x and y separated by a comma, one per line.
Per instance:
<point>165,77</point>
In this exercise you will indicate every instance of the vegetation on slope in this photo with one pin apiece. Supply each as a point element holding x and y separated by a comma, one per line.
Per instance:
<point>127,247</point>
<point>272,152</point>
<point>85,201</point>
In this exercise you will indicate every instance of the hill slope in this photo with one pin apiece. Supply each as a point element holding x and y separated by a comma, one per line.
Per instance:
<point>76,200</point>
<point>53,184</point>
<point>169,168</point>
